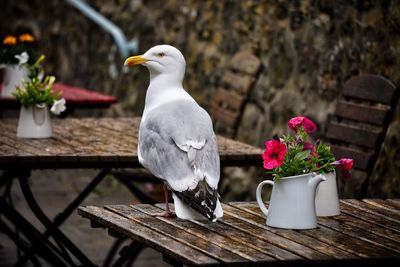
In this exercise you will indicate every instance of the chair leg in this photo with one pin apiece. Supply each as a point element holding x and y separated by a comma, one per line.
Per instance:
<point>364,189</point>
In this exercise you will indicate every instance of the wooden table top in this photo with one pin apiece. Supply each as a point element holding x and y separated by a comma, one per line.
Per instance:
<point>96,143</point>
<point>366,233</point>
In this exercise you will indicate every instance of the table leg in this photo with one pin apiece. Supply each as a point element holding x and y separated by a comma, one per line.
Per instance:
<point>172,261</point>
<point>135,191</point>
<point>18,241</point>
<point>52,227</point>
<point>48,251</point>
<point>113,250</point>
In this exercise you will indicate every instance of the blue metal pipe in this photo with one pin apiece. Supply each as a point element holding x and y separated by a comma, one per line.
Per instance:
<point>125,47</point>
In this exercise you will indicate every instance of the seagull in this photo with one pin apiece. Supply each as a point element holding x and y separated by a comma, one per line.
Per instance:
<point>176,139</point>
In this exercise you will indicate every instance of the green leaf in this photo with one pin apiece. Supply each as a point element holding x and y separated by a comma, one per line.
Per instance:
<point>302,155</point>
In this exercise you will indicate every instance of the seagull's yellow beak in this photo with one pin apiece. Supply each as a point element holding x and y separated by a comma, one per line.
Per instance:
<point>135,60</point>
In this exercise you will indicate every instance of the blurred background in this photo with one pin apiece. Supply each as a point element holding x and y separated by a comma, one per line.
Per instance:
<point>307,50</point>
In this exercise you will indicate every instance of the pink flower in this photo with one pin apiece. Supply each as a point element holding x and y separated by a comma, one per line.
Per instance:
<point>345,164</point>
<point>297,122</point>
<point>274,154</point>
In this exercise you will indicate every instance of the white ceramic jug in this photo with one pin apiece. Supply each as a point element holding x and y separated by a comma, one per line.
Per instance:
<point>326,198</point>
<point>292,204</point>
<point>13,75</point>
<point>34,122</point>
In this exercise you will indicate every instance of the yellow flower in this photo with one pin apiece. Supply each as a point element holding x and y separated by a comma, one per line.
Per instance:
<point>9,40</point>
<point>26,37</point>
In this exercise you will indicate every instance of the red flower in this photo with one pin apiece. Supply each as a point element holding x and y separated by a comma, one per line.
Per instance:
<point>274,154</point>
<point>308,125</point>
<point>346,164</point>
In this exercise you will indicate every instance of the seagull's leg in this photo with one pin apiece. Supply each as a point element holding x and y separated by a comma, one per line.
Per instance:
<point>167,213</point>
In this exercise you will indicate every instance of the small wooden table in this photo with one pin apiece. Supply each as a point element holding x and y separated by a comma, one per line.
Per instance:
<point>98,143</point>
<point>367,233</point>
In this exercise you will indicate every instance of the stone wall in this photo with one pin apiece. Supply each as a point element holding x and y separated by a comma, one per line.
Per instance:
<point>308,49</point>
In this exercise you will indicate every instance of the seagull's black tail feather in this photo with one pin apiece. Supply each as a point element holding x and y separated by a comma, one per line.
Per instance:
<point>202,198</point>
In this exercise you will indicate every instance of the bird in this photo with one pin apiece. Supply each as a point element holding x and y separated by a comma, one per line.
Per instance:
<point>176,140</point>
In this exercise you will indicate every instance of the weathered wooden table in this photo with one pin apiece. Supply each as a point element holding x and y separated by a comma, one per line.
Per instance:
<point>100,143</point>
<point>96,143</point>
<point>367,233</point>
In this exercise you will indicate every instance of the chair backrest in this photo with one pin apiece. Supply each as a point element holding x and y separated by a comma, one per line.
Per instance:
<point>230,97</point>
<point>361,118</point>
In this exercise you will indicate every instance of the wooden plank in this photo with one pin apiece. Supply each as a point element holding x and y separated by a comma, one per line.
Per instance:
<point>394,202</point>
<point>362,234</point>
<point>388,214</point>
<point>331,237</point>
<point>361,112</point>
<point>353,134</point>
<point>238,82</point>
<point>373,218</point>
<point>383,204</point>
<point>256,227</point>
<point>370,87</point>
<point>146,236</point>
<point>356,222</point>
<point>218,238</point>
<point>362,159</point>
<point>297,236</point>
<point>182,236</point>
<point>245,239</point>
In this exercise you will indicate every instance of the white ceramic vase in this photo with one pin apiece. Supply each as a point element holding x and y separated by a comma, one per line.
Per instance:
<point>292,204</point>
<point>13,75</point>
<point>327,199</point>
<point>34,122</point>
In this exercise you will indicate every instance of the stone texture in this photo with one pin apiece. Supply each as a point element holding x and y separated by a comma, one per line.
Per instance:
<point>308,49</point>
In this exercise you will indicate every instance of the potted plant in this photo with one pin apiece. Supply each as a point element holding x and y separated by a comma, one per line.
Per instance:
<point>36,95</point>
<point>294,164</point>
<point>15,54</point>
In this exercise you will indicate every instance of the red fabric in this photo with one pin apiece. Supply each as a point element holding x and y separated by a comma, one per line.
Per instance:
<point>76,95</point>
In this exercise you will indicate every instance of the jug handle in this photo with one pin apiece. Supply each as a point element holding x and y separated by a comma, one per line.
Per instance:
<point>259,198</point>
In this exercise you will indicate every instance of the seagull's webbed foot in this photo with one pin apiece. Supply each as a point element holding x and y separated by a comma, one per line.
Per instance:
<point>165,214</point>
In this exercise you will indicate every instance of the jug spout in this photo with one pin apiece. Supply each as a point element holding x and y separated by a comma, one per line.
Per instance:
<point>315,180</point>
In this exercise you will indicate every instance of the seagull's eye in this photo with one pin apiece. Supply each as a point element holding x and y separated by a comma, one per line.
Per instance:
<point>161,54</point>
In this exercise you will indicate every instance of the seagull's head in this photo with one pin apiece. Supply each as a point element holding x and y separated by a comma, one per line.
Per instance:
<point>160,59</point>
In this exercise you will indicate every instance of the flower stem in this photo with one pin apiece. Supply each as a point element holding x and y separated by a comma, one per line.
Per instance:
<point>320,167</point>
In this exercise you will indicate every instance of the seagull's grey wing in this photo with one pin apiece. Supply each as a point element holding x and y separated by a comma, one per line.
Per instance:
<point>178,145</point>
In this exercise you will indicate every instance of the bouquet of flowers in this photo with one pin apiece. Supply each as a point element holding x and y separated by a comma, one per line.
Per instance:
<point>294,154</point>
<point>13,47</point>
<point>38,90</point>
